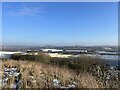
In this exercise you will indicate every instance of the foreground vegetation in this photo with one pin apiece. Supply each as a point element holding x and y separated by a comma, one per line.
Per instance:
<point>79,64</point>
<point>45,74</point>
<point>42,71</point>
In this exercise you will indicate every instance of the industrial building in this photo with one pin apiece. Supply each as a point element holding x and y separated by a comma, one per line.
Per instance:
<point>52,50</point>
<point>7,54</point>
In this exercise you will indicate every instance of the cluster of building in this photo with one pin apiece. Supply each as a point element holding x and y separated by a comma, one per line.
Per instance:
<point>52,52</point>
<point>62,53</point>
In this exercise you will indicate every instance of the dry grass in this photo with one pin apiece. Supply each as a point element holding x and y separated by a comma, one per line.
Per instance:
<point>39,75</point>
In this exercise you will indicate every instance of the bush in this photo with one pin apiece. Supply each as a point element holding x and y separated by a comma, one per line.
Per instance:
<point>41,57</point>
<point>79,64</point>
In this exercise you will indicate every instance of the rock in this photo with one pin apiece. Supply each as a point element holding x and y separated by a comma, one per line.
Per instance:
<point>11,72</point>
<point>6,70</point>
<point>16,74</point>
<point>56,82</point>
<point>13,69</point>
<point>71,86</point>
<point>63,87</point>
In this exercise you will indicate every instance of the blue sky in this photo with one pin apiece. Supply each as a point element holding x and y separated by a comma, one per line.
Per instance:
<point>60,23</point>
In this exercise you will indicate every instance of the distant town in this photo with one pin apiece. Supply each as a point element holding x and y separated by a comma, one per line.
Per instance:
<point>60,51</point>
<point>104,52</point>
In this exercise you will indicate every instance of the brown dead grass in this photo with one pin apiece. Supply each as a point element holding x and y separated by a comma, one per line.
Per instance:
<point>44,74</point>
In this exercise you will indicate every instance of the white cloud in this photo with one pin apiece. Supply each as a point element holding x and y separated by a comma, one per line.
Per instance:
<point>27,10</point>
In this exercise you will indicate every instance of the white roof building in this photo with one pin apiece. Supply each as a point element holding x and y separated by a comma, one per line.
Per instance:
<point>76,50</point>
<point>52,50</point>
<point>6,54</point>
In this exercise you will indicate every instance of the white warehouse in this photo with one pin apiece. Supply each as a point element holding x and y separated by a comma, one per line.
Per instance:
<point>52,50</point>
<point>6,54</point>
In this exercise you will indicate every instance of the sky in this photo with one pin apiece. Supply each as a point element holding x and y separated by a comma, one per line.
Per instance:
<point>42,23</point>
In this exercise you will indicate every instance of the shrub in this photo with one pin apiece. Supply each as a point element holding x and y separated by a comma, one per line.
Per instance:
<point>75,63</point>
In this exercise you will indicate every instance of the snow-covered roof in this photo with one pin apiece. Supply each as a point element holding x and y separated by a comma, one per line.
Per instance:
<point>7,52</point>
<point>53,50</point>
